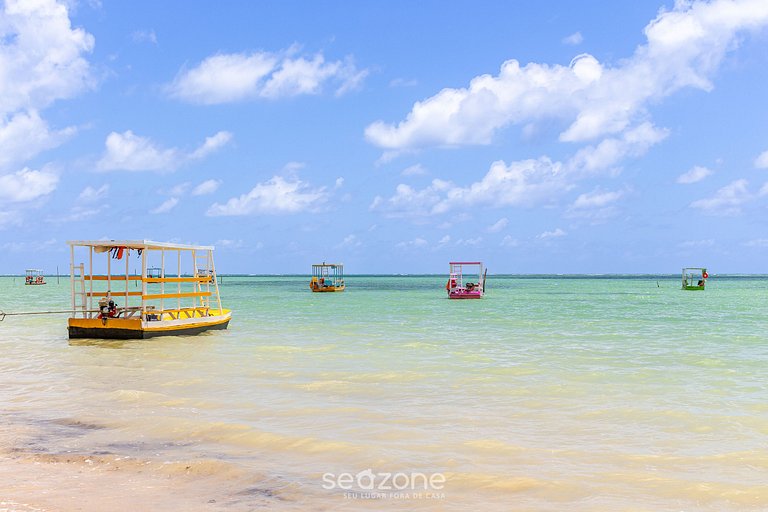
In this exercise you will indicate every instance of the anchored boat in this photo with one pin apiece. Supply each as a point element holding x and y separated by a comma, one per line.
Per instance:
<point>466,280</point>
<point>108,301</point>
<point>694,278</point>
<point>34,276</point>
<point>327,277</point>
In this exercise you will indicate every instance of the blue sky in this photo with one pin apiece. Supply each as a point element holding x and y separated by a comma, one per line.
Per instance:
<point>538,137</point>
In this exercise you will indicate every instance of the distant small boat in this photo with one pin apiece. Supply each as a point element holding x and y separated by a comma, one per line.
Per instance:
<point>466,280</point>
<point>34,276</point>
<point>327,277</point>
<point>695,278</point>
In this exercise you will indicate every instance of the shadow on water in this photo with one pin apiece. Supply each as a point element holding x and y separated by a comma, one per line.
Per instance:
<point>93,342</point>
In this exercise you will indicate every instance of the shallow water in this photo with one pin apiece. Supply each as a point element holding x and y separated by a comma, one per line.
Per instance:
<point>552,393</point>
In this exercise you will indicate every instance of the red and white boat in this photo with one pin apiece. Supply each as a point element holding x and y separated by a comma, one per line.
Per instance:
<point>466,280</point>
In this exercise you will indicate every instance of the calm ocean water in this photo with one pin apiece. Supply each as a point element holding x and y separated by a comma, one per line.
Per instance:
<point>551,393</point>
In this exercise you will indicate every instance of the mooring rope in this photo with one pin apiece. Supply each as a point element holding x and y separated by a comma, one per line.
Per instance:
<point>3,314</point>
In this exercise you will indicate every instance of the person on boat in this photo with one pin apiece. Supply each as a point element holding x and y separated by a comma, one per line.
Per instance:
<point>107,307</point>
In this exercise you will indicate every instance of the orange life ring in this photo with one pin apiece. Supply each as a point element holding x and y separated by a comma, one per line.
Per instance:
<point>448,285</point>
<point>705,275</point>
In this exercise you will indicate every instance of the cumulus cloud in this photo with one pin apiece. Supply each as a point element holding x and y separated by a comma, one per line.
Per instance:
<point>90,194</point>
<point>498,225</point>
<point>27,185</point>
<point>414,170</point>
<point>274,197</point>
<point>41,61</point>
<point>597,199</point>
<point>41,55</point>
<point>557,233</point>
<point>684,47</point>
<point>206,187</point>
<point>25,135</point>
<point>695,175</point>
<point>227,78</point>
<point>597,206</point>
<point>761,162</point>
<point>522,183</point>
<point>166,206</point>
<point>727,200</point>
<point>129,152</point>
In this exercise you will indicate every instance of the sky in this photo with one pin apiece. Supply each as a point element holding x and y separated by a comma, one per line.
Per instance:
<point>541,136</point>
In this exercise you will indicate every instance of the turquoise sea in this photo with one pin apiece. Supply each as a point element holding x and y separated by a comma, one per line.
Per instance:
<point>561,393</point>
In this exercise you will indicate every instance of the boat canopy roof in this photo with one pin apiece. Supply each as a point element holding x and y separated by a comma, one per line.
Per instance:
<point>138,244</point>
<point>327,264</point>
<point>466,262</point>
<point>33,270</point>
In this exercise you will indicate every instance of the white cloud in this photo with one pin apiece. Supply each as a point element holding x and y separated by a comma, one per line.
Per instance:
<point>339,183</point>
<point>211,144</point>
<point>611,151</point>
<point>9,218</point>
<point>596,206</point>
<point>761,162</point>
<point>90,194</point>
<point>509,241</point>
<point>557,233</point>
<point>403,82</point>
<point>206,187</point>
<point>41,61</point>
<point>445,240</point>
<point>179,189</point>
<point>129,152</point>
<point>574,39</point>
<point>498,225</point>
<point>726,201</point>
<point>684,47</point>
<point>763,190</point>
<point>227,78</point>
<point>166,206</point>
<point>414,170</point>
<point>416,242</point>
<point>230,244</point>
<point>41,55</point>
<point>695,175</point>
<point>757,242</point>
<point>77,214</point>
<point>469,241</point>
<point>25,135</point>
<point>597,199</point>
<point>521,183</point>
<point>144,36</point>
<point>26,185</point>
<point>349,242</point>
<point>274,197</point>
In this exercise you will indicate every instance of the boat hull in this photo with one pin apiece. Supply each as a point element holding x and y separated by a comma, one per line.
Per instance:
<point>327,289</point>
<point>125,329</point>
<point>464,295</point>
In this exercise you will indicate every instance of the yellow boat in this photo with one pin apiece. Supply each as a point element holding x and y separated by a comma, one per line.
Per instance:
<point>161,300</point>
<point>327,277</point>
